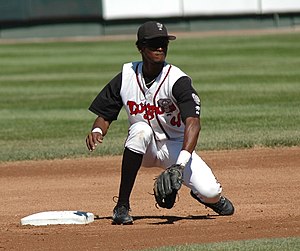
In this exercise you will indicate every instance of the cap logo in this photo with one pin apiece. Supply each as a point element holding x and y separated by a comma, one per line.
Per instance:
<point>159,26</point>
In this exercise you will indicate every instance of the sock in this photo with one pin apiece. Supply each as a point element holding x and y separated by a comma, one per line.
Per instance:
<point>130,165</point>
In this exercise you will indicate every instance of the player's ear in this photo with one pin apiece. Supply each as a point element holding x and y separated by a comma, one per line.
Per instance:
<point>139,46</point>
<point>140,49</point>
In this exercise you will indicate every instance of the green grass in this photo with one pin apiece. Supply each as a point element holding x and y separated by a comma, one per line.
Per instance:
<point>281,244</point>
<point>249,88</point>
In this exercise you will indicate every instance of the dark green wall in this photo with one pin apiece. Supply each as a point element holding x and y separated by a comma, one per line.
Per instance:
<point>57,18</point>
<point>25,11</point>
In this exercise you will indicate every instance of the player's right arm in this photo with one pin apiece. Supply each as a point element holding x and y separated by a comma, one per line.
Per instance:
<point>107,106</point>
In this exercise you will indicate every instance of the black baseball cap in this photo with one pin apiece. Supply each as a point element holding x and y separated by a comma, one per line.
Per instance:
<point>152,29</point>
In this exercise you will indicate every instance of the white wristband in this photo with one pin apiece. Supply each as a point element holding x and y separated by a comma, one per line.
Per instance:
<point>183,157</point>
<point>97,129</point>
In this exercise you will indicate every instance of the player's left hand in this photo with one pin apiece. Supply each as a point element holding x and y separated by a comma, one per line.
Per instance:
<point>167,185</point>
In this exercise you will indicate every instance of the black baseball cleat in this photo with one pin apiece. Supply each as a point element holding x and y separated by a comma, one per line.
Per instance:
<point>222,207</point>
<point>121,215</point>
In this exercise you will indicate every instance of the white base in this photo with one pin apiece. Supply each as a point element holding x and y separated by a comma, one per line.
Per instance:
<point>58,217</point>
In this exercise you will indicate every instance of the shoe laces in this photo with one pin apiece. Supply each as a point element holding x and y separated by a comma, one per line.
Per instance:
<point>122,209</point>
<point>220,203</point>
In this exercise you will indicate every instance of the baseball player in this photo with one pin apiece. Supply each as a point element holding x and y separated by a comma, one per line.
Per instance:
<point>163,112</point>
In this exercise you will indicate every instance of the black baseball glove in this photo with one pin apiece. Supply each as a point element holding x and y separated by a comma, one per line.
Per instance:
<point>167,185</point>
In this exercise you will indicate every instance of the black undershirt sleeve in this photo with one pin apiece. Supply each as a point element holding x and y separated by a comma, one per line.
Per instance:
<point>187,98</point>
<point>108,102</point>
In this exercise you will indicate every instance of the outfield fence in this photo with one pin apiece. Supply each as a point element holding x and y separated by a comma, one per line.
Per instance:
<point>28,18</point>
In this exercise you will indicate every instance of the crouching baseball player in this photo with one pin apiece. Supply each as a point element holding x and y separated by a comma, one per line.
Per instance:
<point>163,111</point>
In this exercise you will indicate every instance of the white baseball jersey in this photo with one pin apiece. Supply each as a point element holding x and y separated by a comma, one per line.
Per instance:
<point>155,105</point>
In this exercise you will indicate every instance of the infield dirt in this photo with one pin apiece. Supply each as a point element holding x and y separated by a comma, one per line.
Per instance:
<point>263,184</point>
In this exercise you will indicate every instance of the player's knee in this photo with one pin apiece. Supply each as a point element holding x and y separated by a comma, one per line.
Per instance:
<point>210,193</point>
<point>139,137</point>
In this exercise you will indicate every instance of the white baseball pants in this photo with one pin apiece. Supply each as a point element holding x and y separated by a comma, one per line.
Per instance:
<point>197,174</point>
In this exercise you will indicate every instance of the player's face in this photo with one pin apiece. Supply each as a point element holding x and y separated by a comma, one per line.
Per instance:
<point>155,50</point>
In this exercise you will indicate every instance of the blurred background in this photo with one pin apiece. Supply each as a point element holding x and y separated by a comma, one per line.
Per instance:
<point>57,18</point>
<point>56,55</point>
